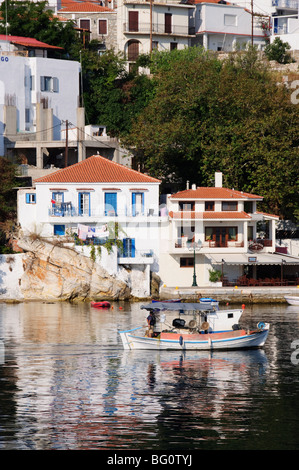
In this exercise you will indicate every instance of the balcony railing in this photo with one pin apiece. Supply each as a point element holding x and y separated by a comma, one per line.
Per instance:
<point>144,28</point>
<point>293,4</point>
<point>254,245</point>
<point>68,210</point>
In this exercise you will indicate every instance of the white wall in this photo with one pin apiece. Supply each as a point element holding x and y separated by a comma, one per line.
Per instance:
<point>15,72</point>
<point>35,218</point>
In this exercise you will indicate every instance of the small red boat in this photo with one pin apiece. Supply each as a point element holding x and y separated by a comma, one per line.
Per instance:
<point>103,304</point>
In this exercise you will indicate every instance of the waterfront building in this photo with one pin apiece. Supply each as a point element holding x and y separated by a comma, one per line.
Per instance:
<point>217,233</point>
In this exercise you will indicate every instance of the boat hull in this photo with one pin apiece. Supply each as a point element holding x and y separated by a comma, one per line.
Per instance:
<point>292,300</point>
<point>229,340</point>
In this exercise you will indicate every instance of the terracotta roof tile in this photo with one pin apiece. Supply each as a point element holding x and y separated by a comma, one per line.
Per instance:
<point>27,42</point>
<point>213,193</point>
<point>209,215</point>
<point>97,169</point>
<point>83,6</point>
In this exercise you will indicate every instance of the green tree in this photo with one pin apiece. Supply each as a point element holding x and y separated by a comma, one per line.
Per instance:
<point>277,50</point>
<point>230,115</point>
<point>113,96</point>
<point>7,192</point>
<point>30,19</point>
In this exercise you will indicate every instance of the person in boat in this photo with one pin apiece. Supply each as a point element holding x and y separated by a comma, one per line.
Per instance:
<point>151,321</point>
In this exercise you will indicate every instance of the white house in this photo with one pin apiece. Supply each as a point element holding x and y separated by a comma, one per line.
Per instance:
<point>37,94</point>
<point>88,199</point>
<point>222,26</point>
<point>219,229</point>
<point>285,22</point>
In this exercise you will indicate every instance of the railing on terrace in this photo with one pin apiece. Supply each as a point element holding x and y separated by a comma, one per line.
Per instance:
<point>144,28</point>
<point>183,242</point>
<point>285,4</point>
<point>283,29</point>
<point>67,210</point>
<point>256,245</point>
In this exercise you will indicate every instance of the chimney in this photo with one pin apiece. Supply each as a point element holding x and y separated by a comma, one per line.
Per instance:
<point>187,185</point>
<point>193,186</point>
<point>218,179</point>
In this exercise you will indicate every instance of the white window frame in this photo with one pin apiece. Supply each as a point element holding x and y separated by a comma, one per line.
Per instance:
<point>230,20</point>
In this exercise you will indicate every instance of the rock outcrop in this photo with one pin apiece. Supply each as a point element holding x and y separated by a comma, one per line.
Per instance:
<point>52,272</point>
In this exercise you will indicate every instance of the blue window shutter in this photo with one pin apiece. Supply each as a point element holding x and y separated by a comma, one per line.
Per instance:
<point>27,198</point>
<point>125,247</point>
<point>132,248</point>
<point>133,204</point>
<point>110,203</point>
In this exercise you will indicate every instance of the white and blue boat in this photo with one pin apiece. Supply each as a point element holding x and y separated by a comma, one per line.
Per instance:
<point>194,326</point>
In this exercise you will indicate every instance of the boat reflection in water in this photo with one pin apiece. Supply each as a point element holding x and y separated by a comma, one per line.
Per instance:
<point>206,385</point>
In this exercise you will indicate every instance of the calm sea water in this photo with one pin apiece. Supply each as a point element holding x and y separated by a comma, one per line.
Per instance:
<point>67,384</point>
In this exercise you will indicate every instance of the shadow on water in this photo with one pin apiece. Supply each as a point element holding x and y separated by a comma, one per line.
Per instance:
<point>66,383</point>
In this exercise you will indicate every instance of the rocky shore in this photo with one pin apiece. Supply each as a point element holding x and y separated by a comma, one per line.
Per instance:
<point>46,271</point>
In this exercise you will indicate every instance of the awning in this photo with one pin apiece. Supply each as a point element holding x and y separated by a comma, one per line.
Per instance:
<point>254,258</point>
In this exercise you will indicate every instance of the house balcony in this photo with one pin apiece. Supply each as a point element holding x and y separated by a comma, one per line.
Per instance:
<point>285,4</point>
<point>70,213</point>
<point>183,245</point>
<point>158,29</point>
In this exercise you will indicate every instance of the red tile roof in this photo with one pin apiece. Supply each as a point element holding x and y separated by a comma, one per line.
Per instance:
<point>27,42</point>
<point>97,169</point>
<point>209,215</point>
<point>83,7</point>
<point>213,193</point>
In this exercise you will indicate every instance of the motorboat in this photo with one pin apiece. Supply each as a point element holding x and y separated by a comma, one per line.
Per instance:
<point>292,299</point>
<point>193,326</point>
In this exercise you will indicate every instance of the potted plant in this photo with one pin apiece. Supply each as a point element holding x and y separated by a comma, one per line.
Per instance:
<point>215,277</point>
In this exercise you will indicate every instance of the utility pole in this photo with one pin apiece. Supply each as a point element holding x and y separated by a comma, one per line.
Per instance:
<point>251,23</point>
<point>66,144</point>
<point>151,26</point>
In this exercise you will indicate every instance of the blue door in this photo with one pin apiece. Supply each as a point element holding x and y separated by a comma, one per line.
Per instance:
<point>129,247</point>
<point>110,203</point>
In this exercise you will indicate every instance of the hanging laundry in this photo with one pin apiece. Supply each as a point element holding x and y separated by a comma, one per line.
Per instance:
<point>82,231</point>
